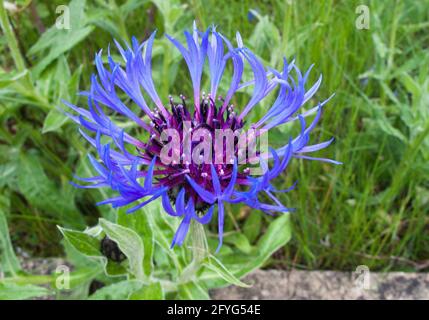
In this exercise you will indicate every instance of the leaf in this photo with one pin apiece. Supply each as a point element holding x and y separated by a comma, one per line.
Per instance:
<point>7,79</point>
<point>73,85</point>
<point>152,291</point>
<point>240,241</point>
<point>114,269</point>
<point>216,266</point>
<point>385,125</point>
<point>8,172</point>
<point>53,40</point>
<point>42,193</point>
<point>82,242</point>
<point>164,228</point>
<point>130,6</point>
<point>130,244</point>
<point>9,263</point>
<point>171,12</point>
<point>380,47</point>
<point>265,36</point>
<point>12,291</point>
<point>118,291</point>
<point>84,275</point>
<point>252,226</point>
<point>66,87</point>
<point>139,222</point>
<point>276,236</point>
<point>53,121</point>
<point>73,38</point>
<point>410,84</point>
<point>193,291</point>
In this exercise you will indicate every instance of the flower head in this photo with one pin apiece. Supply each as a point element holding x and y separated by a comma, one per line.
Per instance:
<point>191,188</point>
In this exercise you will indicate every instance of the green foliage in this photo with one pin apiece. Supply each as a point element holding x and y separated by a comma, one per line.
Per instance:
<point>11,291</point>
<point>373,210</point>
<point>182,276</point>
<point>9,263</point>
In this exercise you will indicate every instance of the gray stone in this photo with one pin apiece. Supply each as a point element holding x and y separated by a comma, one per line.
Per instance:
<point>279,285</point>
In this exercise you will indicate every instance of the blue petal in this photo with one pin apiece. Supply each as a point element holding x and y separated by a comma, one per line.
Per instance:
<point>204,194</point>
<point>149,176</point>
<point>167,205</point>
<point>221,217</point>
<point>230,188</point>
<point>298,156</point>
<point>180,202</point>
<point>206,218</point>
<point>215,181</point>
<point>182,231</point>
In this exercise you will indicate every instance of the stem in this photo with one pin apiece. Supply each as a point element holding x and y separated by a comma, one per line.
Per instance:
<point>392,41</point>
<point>199,242</point>
<point>199,248</point>
<point>121,23</point>
<point>17,57</point>
<point>10,38</point>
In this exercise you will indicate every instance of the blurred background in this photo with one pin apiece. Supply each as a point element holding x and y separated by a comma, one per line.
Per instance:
<point>373,210</point>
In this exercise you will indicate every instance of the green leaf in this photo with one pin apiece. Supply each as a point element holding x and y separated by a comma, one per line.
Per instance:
<point>73,38</point>
<point>410,84</point>
<point>114,269</point>
<point>52,41</point>
<point>152,291</point>
<point>84,275</point>
<point>9,263</point>
<point>239,264</point>
<point>276,236</point>
<point>130,244</point>
<point>240,241</point>
<point>7,79</point>
<point>8,172</point>
<point>118,291</point>
<point>65,87</point>
<point>193,291</point>
<point>216,266</point>
<point>130,6</point>
<point>12,291</point>
<point>82,242</point>
<point>73,85</point>
<point>164,228</point>
<point>139,222</point>
<point>53,121</point>
<point>380,47</point>
<point>252,226</point>
<point>42,193</point>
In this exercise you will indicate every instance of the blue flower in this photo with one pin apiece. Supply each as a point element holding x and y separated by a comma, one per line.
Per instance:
<point>134,169</point>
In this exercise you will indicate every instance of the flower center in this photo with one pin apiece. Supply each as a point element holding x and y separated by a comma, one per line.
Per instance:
<point>198,133</point>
